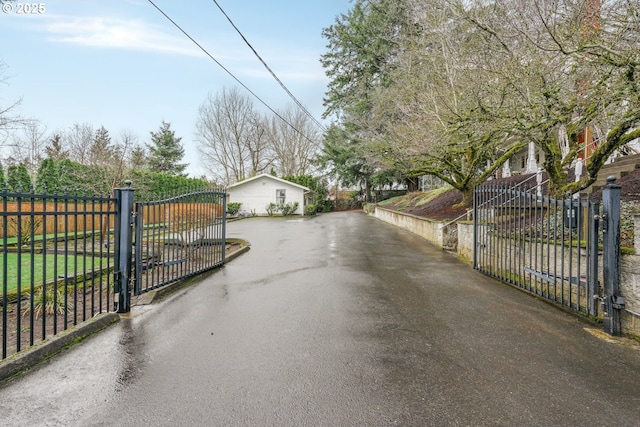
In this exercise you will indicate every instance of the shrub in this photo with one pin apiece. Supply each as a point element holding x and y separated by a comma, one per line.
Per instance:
<point>271,208</point>
<point>310,209</point>
<point>44,303</point>
<point>288,208</point>
<point>233,208</point>
<point>24,226</point>
<point>369,208</point>
<point>318,185</point>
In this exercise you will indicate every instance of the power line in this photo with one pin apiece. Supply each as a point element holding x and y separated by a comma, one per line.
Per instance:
<point>228,72</point>
<point>320,125</point>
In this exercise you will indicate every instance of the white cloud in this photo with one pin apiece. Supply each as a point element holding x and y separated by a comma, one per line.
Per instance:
<point>136,34</point>
<point>116,33</point>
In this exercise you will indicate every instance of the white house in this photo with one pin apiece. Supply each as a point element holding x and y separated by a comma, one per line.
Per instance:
<point>258,192</point>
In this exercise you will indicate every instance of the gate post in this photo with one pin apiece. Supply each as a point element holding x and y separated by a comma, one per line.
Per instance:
<point>592,256</point>
<point>123,248</point>
<point>475,227</point>
<point>612,302</point>
<point>224,224</point>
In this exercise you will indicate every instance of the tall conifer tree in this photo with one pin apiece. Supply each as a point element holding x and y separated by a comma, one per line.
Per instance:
<point>166,151</point>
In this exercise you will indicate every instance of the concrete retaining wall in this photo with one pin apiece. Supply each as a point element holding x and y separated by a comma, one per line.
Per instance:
<point>430,230</point>
<point>465,240</point>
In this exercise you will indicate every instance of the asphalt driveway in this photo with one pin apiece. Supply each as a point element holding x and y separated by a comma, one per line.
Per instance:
<point>337,320</point>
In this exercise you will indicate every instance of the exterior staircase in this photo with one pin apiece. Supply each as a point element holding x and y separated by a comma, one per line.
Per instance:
<point>620,167</point>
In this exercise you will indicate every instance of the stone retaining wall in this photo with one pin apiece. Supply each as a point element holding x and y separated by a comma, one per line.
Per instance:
<point>630,285</point>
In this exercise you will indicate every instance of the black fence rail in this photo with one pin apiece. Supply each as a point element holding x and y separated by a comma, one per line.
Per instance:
<point>56,264</point>
<point>178,237</point>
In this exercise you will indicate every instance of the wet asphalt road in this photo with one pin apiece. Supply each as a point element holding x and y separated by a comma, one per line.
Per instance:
<point>339,320</point>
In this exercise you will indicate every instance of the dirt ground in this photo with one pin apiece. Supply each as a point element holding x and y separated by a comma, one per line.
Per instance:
<point>630,190</point>
<point>445,207</point>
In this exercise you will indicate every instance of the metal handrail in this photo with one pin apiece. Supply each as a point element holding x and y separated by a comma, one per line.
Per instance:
<point>584,149</point>
<point>535,175</point>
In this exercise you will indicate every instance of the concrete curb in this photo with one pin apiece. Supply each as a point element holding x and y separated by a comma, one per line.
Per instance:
<point>23,361</point>
<point>27,359</point>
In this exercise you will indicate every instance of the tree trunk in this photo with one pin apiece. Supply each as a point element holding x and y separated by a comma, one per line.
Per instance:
<point>412,184</point>
<point>467,197</point>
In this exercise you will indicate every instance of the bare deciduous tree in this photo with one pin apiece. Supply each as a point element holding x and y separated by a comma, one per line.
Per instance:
<point>577,72</point>
<point>29,145</point>
<point>10,120</point>
<point>440,113</point>
<point>133,153</point>
<point>231,137</point>
<point>294,141</point>
<point>78,140</point>
<point>464,83</point>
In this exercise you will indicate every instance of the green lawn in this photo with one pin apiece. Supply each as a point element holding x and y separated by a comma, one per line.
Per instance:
<point>38,268</point>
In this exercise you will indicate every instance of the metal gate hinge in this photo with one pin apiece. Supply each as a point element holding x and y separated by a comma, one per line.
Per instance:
<point>603,222</point>
<point>116,280</point>
<point>617,302</point>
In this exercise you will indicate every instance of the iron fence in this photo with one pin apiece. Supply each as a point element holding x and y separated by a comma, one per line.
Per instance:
<point>56,264</point>
<point>66,258</point>
<point>545,246</point>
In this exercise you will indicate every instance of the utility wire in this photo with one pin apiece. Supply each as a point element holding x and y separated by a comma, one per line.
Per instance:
<point>228,72</point>
<point>320,125</point>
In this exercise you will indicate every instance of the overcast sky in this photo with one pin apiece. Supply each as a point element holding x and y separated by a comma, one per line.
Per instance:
<point>121,64</point>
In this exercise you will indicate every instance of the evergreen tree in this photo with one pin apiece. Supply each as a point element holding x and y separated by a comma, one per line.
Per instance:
<point>69,179</point>
<point>18,179</point>
<point>101,151</point>
<point>55,150</point>
<point>317,185</point>
<point>138,158</point>
<point>165,151</point>
<point>48,177</point>
<point>2,180</point>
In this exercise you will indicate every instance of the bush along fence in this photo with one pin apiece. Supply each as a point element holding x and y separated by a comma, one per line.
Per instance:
<point>67,258</point>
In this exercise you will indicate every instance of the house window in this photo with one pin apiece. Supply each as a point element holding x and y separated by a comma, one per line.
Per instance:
<point>280,196</point>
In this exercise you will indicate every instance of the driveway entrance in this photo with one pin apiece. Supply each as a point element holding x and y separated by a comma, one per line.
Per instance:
<point>339,320</point>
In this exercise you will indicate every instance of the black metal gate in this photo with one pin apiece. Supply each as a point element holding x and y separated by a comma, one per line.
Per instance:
<point>177,238</point>
<point>67,258</point>
<point>551,247</point>
<point>545,246</point>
